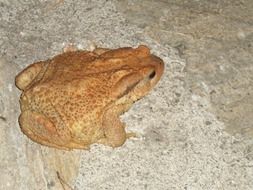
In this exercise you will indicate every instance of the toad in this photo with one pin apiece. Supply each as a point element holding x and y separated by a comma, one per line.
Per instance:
<point>75,99</point>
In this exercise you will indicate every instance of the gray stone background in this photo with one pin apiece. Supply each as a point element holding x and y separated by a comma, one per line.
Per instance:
<point>194,129</point>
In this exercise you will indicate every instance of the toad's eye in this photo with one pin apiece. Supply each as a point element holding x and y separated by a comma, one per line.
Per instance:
<point>152,75</point>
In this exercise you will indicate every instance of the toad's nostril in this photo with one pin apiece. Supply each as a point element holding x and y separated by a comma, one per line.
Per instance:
<point>152,75</point>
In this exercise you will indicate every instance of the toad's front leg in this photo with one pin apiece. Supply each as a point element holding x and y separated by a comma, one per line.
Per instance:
<point>114,130</point>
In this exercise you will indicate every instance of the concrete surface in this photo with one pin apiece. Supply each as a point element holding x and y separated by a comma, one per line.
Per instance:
<point>194,129</point>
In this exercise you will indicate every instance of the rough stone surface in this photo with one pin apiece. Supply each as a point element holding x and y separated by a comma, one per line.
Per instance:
<point>194,129</point>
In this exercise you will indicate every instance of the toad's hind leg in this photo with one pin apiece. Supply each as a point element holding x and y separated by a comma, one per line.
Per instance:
<point>114,129</point>
<point>25,78</point>
<point>41,130</point>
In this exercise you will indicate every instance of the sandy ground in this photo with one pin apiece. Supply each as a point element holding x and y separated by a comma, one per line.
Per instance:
<point>194,129</point>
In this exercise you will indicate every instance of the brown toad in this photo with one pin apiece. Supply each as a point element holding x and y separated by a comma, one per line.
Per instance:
<point>75,99</point>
